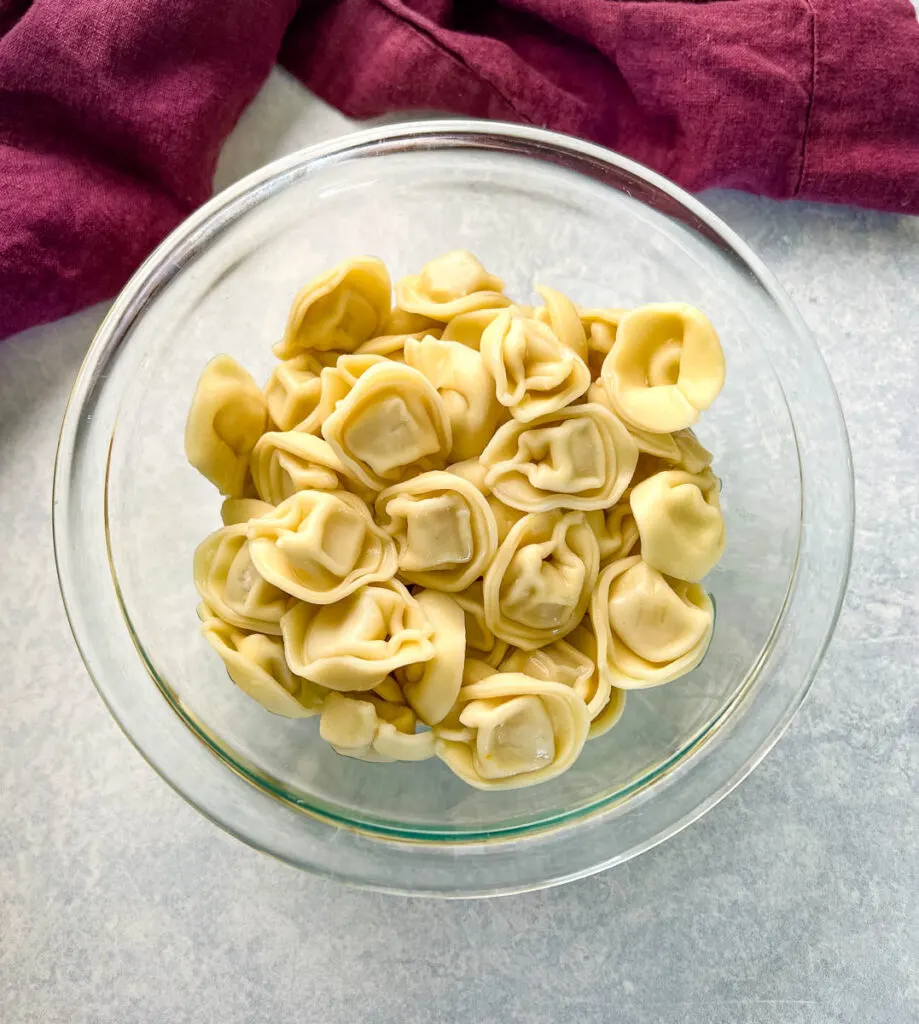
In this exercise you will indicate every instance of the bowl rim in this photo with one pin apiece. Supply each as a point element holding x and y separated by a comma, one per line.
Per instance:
<point>224,208</point>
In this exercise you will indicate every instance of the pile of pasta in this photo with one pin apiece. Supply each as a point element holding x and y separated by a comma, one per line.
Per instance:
<point>459,527</point>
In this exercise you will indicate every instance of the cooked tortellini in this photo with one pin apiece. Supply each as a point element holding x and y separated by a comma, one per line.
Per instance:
<point>458,528</point>
<point>465,387</point>
<point>227,417</point>
<point>431,687</point>
<point>517,731</point>
<point>665,368</point>
<point>538,586</point>
<point>338,310</point>
<point>650,629</point>
<point>372,730</point>
<point>679,520</point>
<point>355,643</point>
<point>391,425</point>
<point>535,373</point>
<point>443,527</point>
<point>227,580</point>
<point>256,663</point>
<point>452,284</point>
<point>580,457</point>
<point>320,546</point>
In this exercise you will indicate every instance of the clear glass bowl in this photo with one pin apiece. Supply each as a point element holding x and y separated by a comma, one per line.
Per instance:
<point>535,207</point>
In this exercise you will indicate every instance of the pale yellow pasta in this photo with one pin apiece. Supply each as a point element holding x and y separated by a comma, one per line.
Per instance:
<point>293,391</point>
<point>465,387</point>
<point>452,284</point>
<point>534,372</point>
<point>662,446</point>
<point>392,346</point>
<point>256,664</point>
<point>320,546</point>
<point>443,527</point>
<point>371,730</point>
<point>616,531</point>
<point>392,424</point>
<point>227,417</point>
<point>649,629</point>
<point>600,325</point>
<point>468,328</point>
<point>665,367</point>
<point>481,642</point>
<point>240,510</point>
<point>693,456</point>
<point>523,731</point>
<point>339,309</point>
<point>581,457</point>
<point>431,687</point>
<point>357,642</point>
<point>538,586</point>
<point>229,583</point>
<point>605,702</point>
<point>561,314</point>
<point>473,471</point>
<point>283,463</point>
<point>679,520</point>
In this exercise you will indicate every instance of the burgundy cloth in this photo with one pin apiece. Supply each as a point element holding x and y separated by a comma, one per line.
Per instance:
<point>112,112</point>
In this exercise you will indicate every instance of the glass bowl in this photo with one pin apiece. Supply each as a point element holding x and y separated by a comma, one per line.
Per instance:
<point>535,207</point>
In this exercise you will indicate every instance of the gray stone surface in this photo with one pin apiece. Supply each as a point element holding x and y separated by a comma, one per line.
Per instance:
<point>794,901</point>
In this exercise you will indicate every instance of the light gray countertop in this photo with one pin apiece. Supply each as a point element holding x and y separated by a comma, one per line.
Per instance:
<point>794,901</point>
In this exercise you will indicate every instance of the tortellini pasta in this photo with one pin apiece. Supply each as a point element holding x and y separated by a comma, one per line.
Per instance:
<point>457,527</point>
<point>465,387</point>
<point>538,586</point>
<point>665,367</point>
<point>679,520</point>
<point>320,546</point>
<point>517,731</point>
<point>256,663</point>
<point>372,730</point>
<point>227,417</point>
<point>229,583</point>
<point>452,284</point>
<point>338,310</point>
<point>443,527</point>
<point>534,372</point>
<point>392,424</point>
<point>580,457</point>
<point>649,629</point>
<point>355,643</point>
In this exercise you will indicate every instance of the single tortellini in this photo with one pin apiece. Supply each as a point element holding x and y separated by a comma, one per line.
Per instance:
<point>468,328</point>
<point>679,520</point>
<point>227,580</point>
<point>227,417</point>
<point>357,642</point>
<point>256,664</point>
<point>616,531</point>
<point>519,731</point>
<point>505,516</point>
<point>581,457</point>
<point>452,284</point>
<point>661,446</point>
<point>339,309</point>
<point>606,703</point>
<point>534,372</point>
<point>284,463</point>
<point>465,387</point>
<point>372,730</point>
<point>431,687</point>
<point>240,510</point>
<point>538,586</point>
<point>649,629</point>
<point>665,368</point>
<point>293,391</point>
<point>561,314</point>
<point>443,527</point>
<point>481,643</point>
<point>320,546</point>
<point>392,424</point>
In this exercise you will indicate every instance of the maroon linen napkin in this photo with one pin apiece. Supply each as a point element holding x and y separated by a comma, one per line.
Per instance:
<point>112,112</point>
